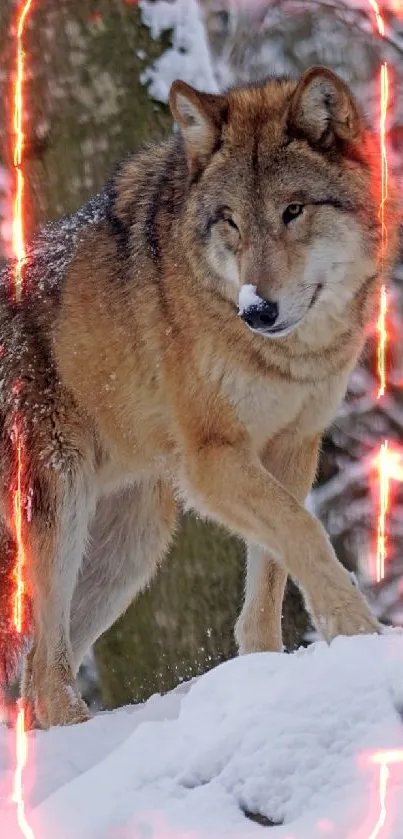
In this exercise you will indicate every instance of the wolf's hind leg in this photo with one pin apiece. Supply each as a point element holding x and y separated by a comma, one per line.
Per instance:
<point>28,690</point>
<point>56,535</point>
<point>129,536</point>
<point>13,644</point>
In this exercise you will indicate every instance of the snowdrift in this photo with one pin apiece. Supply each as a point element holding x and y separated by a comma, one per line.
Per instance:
<point>274,745</point>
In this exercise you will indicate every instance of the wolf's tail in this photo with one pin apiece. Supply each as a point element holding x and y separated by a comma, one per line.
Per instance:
<point>14,639</point>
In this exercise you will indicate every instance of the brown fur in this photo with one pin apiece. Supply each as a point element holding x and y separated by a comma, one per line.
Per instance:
<point>139,382</point>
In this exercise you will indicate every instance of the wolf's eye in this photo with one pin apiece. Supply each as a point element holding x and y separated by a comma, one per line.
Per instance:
<point>292,212</point>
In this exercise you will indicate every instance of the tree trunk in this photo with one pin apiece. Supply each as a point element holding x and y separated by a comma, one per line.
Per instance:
<point>84,103</point>
<point>183,624</point>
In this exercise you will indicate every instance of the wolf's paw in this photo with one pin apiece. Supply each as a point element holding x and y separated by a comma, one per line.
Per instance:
<point>71,716</point>
<point>353,620</point>
<point>257,636</point>
<point>62,706</point>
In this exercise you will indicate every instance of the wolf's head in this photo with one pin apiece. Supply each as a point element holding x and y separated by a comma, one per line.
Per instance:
<point>284,194</point>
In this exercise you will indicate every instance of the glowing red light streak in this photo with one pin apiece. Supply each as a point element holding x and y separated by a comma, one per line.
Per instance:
<point>384,759</point>
<point>383,509</point>
<point>381,326</point>
<point>388,464</point>
<point>383,786</point>
<point>19,253</point>
<point>18,795</point>
<point>387,757</point>
<point>379,19</point>
<point>20,564</point>
<point>382,342</point>
<point>389,467</point>
<point>383,462</point>
<point>18,244</point>
<point>389,461</point>
<point>384,157</point>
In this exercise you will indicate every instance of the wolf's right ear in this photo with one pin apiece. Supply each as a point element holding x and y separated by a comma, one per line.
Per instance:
<point>201,117</point>
<point>322,109</point>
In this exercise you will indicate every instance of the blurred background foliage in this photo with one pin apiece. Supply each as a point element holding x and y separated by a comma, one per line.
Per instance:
<point>98,77</point>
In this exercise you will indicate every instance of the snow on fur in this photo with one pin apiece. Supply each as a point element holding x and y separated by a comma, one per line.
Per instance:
<point>288,737</point>
<point>248,298</point>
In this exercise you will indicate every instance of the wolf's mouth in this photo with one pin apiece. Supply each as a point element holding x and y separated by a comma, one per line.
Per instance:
<point>282,329</point>
<point>315,295</point>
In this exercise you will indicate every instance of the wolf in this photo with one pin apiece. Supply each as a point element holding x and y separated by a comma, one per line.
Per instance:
<point>136,383</point>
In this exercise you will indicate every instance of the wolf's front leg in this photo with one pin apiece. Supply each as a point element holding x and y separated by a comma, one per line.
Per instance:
<point>293,462</point>
<point>55,538</point>
<point>228,483</point>
<point>258,628</point>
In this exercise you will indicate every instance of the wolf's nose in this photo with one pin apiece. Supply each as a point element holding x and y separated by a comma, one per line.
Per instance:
<point>262,316</point>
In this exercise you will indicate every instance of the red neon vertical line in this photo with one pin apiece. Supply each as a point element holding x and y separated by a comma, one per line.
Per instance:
<point>383,786</point>
<point>21,554</point>
<point>382,342</point>
<point>382,330</point>
<point>383,467</point>
<point>383,462</point>
<point>18,793</point>
<point>18,244</point>
<point>20,255</point>
<point>384,759</point>
<point>379,19</point>
<point>383,509</point>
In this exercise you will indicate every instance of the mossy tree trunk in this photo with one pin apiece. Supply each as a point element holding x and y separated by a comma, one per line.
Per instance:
<point>183,624</point>
<point>85,109</point>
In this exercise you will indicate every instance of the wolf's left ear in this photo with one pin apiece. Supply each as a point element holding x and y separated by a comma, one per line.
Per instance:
<point>322,109</point>
<point>200,117</point>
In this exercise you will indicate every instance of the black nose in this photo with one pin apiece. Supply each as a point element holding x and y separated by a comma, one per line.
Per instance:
<point>262,316</point>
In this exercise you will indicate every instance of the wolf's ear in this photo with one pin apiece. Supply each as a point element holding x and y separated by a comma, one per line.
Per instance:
<point>322,109</point>
<point>200,117</point>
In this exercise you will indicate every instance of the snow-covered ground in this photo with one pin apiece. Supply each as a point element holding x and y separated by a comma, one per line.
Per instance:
<point>290,737</point>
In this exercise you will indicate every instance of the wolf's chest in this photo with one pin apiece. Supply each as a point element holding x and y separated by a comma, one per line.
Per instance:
<point>266,405</point>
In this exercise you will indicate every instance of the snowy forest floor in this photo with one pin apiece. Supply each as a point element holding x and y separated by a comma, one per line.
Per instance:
<point>267,744</point>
